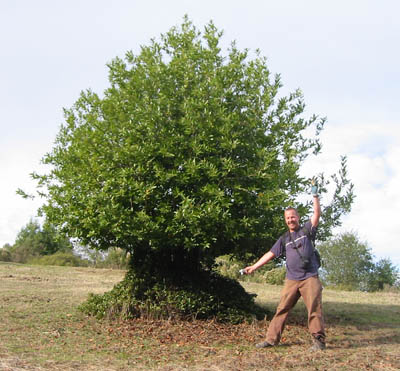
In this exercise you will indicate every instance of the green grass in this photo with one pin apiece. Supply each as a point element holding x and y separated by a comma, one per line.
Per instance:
<point>41,328</point>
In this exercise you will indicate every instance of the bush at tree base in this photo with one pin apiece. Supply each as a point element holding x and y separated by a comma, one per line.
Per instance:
<point>207,295</point>
<point>275,276</point>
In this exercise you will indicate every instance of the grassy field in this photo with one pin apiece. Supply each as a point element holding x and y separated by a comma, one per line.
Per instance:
<point>41,329</point>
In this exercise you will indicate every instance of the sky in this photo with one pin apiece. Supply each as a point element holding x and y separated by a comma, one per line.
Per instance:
<point>342,55</point>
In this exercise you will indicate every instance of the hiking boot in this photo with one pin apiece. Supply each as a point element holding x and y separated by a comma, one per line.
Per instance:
<point>318,343</point>
<point>264,344</point>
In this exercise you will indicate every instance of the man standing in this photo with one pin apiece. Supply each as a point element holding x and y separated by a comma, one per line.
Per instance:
<point>301,276</point>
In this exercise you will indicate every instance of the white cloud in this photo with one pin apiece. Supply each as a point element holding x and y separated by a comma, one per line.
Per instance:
<point>16,164</point>
<point>375,171</point>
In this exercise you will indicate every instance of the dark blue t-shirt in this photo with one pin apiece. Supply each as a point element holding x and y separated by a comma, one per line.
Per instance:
<point>294,264</point>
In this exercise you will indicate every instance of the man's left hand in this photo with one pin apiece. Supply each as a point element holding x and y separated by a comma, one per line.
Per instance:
<point>314,188</point>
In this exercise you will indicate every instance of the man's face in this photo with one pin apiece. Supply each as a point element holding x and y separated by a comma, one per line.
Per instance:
<point>292,219</point>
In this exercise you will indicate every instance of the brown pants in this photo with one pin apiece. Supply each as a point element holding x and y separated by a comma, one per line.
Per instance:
<point>311,291</point>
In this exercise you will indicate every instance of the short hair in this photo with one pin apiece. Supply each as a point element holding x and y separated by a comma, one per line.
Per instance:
<point>291,208</point>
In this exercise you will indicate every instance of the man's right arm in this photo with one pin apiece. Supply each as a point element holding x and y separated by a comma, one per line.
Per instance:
<point>263,260</point>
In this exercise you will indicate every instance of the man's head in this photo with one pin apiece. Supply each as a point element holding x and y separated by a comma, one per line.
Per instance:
<point>292,219</point>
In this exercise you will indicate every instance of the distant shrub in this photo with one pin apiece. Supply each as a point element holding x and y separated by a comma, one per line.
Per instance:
<point>275,276</point>
<point>394,289</point>
<point>115,259</point>
<point>67,259</point>
<point>228,267</point>
<point>5,255</point>
<point>22,254</point>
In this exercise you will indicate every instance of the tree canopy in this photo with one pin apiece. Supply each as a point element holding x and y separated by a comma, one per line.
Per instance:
<point>188,149</point>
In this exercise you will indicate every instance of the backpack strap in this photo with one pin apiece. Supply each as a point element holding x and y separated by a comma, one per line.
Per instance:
<point>284,238</point>
<point>307,232</point>
<point>316,252</point>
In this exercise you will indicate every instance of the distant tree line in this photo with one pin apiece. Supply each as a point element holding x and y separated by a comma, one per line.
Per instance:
<point>348,263</point>
<point>44,245</point>
<point>34,241</point>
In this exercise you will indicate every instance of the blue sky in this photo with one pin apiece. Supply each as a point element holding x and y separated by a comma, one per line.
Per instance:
<point>343,55</point>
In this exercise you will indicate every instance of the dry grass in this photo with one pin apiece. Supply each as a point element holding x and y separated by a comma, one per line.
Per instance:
<point>41,329</point>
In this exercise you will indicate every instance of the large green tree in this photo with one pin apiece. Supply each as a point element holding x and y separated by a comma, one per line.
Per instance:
<point>191,153</point>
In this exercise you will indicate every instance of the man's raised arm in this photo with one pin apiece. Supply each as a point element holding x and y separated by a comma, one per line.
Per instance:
<point>316,205</point>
